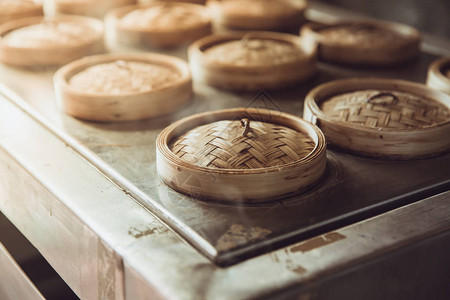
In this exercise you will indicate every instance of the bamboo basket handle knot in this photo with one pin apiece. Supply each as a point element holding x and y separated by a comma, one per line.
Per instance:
<point>383,94</point>
<point>246,124</point>
<point>245,42</point>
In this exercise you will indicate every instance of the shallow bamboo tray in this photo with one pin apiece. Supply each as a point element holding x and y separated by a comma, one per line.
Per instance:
<point>97,8</point>
<point>368,52</point>
<point>258,14</point>
<point>237,184</point>
<point>382,141</point>
<point>172,36</point>
<point>18,10</point>
<point>439,75</point>
<point>252,78</point>
<point>125,106</point>
<point>47,54</point>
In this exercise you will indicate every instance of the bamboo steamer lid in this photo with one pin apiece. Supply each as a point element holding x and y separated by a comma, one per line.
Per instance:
<point>16,9</point>
<point>123,87</point>
<point>159,24</point>
<point>439,74</point>
<point>390,119</point>
<point>37,41</point>
<point>258,14</point>
<point>97,8</point>
<point>241,155</point>
<point>364,42</point>
<point>252,61</point>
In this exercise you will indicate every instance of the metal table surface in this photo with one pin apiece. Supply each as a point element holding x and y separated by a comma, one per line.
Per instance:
<point>118,160</point>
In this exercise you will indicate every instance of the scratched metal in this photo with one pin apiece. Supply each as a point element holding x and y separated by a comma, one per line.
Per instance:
<point>355,188</point>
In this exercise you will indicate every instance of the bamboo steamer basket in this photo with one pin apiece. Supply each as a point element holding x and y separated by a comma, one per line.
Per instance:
<point>364,42</point>
<point>439,75</point>
<point>241,155</point>
<point>381,118</point>
<point>258,14</point>
<point>252,61</point>
<point>17,9</point>
<point>90,8</point>
<point>123,87</point>
<point>38,41</point>
<point>159,24</point>
<point>202,2</point>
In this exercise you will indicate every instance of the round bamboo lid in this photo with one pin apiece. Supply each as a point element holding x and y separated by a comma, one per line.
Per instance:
<point>242,155</point>
<point>258,14</point>
<point>439,74</point>
<point>384,118</point>
<point>96,9</point>
<point>252,61</point>
<point>160,24</point>
<point>364,42</point>
<point>16,9</point>
<point>38,41</point>
<point>119,87</point>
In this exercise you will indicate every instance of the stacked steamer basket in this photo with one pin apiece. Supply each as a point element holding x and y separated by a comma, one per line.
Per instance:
<point>241,155</point>
<point>258,14</point>
<point>16,9</point>
<point>390,119</point>
<point>158,24</point>
<point>439,74</point>
<point>97,8</point>
<point>252,60</point>
<point>202,2</point>
<point>123,87</point>
<point>50,41</point>
<point>364,42</point>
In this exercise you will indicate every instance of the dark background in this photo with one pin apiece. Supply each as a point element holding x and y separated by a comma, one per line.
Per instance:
<point>431,16</point>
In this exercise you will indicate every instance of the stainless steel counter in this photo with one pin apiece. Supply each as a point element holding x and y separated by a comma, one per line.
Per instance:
<point>88,197</point>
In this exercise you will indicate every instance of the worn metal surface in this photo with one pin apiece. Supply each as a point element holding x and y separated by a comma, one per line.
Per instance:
<point>354,189</point>
<point>105,245</point>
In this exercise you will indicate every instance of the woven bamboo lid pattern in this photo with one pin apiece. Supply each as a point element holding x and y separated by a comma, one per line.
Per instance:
<point>364,42</point>
<point>385,109</point>
<point>242,144</point>
<point>14,9</point>
<point>241,155</point>
<point>383,118</point>
<point>439,74</point>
